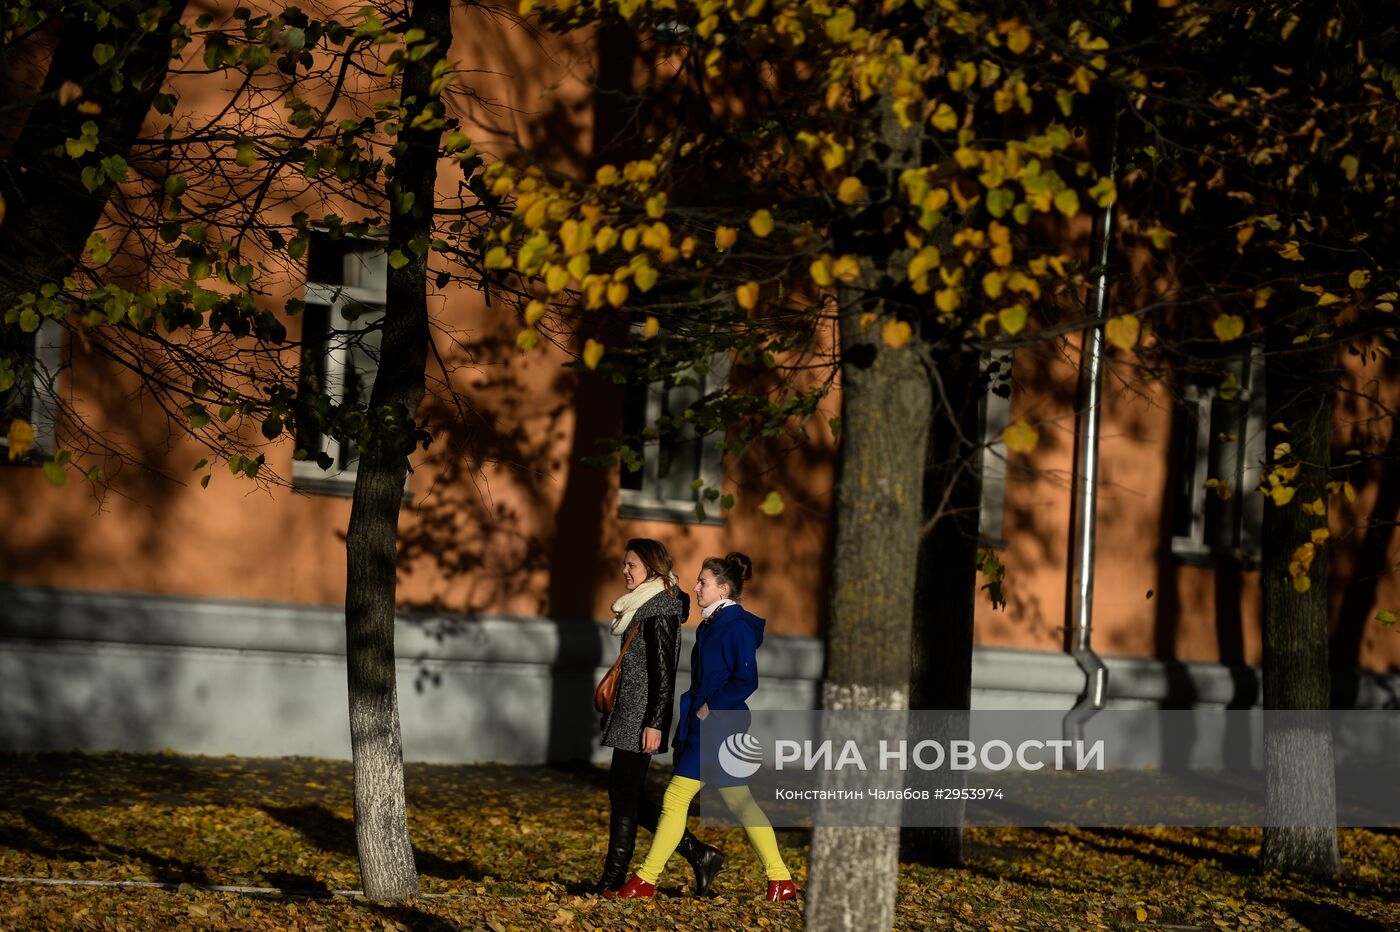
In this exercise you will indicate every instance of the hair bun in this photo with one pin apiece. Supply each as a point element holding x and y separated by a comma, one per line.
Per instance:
<point>743,566</point>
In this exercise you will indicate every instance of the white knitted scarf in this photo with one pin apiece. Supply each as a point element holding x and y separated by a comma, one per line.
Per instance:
<point>626,605</point>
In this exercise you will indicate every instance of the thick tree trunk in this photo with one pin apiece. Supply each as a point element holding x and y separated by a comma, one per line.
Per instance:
<point>387,868</point>
<point>885,411</point>
<point>49,212</point>
<point>1301,782</point>
<point>941,653</point>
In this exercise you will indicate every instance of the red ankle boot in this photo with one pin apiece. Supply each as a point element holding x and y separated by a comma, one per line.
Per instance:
<point>781,890</point>
<point>636,889</point>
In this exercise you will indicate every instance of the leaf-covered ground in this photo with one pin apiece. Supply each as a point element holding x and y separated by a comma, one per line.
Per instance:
<point>514,848</point>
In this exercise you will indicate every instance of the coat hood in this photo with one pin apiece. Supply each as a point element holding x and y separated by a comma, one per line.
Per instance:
<point>736,614</point>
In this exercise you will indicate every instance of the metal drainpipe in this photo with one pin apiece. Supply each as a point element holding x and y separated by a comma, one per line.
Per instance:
<point>1083,516</point>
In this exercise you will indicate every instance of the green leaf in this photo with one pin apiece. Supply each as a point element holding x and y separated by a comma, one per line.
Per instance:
<point>55,473</point>
<point>272,427</point>
<point>999,201</point>
<point>28,320</point>
<point>397,259</point>
<point>102,53</point>
<point>773,505</point>
<point>1067,202</point>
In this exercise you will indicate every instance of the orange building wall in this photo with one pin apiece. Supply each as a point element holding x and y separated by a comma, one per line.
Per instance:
<point>504,518</point>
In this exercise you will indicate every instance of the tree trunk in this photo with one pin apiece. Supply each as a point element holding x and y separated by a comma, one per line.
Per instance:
<point>885,410</point>
<point>49,212</point>
<point>387,868</point>
<point>1300,778</point>
<point>941,653</point>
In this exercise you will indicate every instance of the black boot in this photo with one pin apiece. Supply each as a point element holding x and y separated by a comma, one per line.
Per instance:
<point>704,859</point>
<point>622,838</point>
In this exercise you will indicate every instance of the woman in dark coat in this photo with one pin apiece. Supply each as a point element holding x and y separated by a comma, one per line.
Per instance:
<point>651,613</point>
<point>723,674</point>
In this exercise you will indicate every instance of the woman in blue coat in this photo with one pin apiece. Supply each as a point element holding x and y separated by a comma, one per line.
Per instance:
<point>723,674</point>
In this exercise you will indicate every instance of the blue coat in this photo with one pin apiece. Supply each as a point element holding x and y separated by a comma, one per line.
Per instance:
<point>723,674</point>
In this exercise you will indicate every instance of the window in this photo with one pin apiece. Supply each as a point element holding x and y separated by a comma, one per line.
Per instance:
<point>1222,439</point>
<point>33,401</point>
<point>346,286</point>
<point>664,489</point>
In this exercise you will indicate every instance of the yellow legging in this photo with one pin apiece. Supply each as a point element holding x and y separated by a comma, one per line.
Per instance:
<point>671,827</point>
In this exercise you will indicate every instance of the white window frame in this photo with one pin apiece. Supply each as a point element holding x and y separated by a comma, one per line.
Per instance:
<point>646,504</point>
<point>43,404</point>
<point>307,475</point>
<point>995,415</point>
<point>1193,545</point>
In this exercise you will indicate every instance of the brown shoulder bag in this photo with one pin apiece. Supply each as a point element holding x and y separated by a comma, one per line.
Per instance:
<point>605,695</point>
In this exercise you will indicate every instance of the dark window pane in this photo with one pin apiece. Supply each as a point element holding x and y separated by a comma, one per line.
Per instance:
<point>1184,426</point>
<point>315,333</point>
<point>634,420</point>
<point>325,262</point>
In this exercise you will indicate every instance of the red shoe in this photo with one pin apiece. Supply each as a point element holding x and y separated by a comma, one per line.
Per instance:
<point>779,890</point>
<point>635,889</point>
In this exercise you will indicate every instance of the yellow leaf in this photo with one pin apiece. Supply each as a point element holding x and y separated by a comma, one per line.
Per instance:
<point>896,333</point>
<point>1320,534</point>
<point>761,223</point>
<point>1282,494</point>
<point>1020,437</point>
<point>644,278</point>
<point>1350,166</point>
<point>944,118</point>
<point>1142,913</point>
<point>993,283</point>
<point>1012,319</point>
<point>1302,583</point>
<point>21,438</point>
<point>1123,331</point>
<point>725,237</point>
<point>1359,278</point>
<point>533,312</point>
<point>1349,491</point>
<point>1327,298</point>
<point>69,92</point>
<point>846,269</point>
<point>1289,251</point>
<point>498,257</point>
<point>605,239</point>
<point>556,278</point>
<point>820,270</point>
<point>617,295</point>
<point>851,190</point>
<point>1018,39</point>
<point>651,328</point>
<point>1228,327</point>
<point>656,206</point>
<point>606,175</point>
<point>527,339</point>
<point>772,505</point>
<point>592,353</point>
<point>747,295</point>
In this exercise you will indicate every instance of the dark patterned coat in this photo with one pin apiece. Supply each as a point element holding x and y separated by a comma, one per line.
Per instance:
<point>646,685</point>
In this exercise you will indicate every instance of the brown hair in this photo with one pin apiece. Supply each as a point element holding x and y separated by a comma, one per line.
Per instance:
<point>732,570</point>
<point>655,557</point>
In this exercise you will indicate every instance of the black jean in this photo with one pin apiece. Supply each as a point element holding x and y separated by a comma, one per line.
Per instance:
<point>627,780</point>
